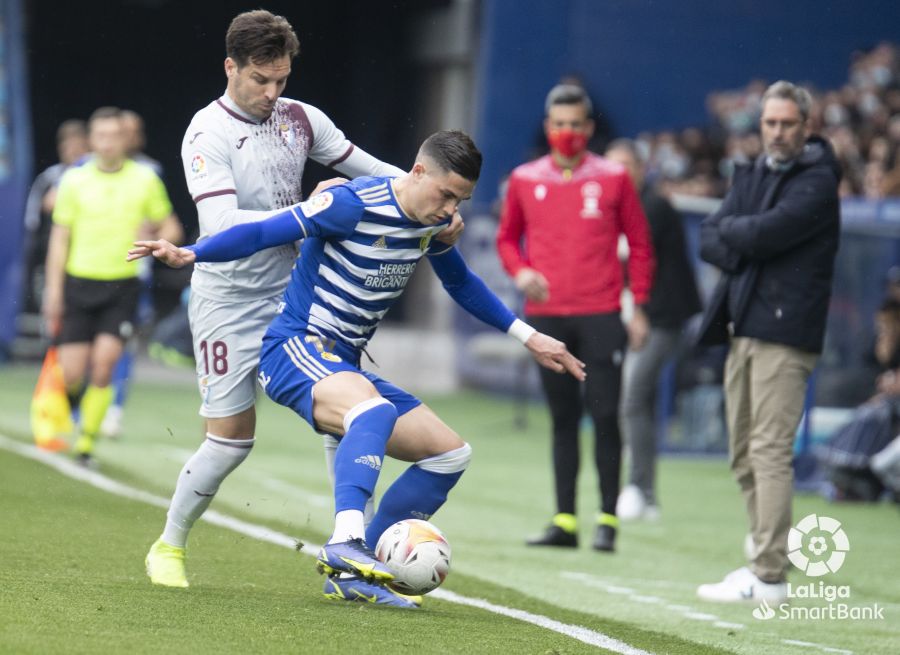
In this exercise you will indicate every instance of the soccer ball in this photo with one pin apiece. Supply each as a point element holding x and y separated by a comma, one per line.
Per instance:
<point>418,554</point>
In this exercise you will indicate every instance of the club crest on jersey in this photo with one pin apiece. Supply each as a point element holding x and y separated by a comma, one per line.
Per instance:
<point>318,203</point>
<point>590,194</point>
<point>540,192</point>
<point>198,166</point>
<point>288,134</point>
<point>425,241</point>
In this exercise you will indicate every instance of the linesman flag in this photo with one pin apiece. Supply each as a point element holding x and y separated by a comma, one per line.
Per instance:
<point>51,416</point>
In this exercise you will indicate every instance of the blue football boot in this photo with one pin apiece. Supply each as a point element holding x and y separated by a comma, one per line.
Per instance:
<point>356,588</point>
<point>353,557</point>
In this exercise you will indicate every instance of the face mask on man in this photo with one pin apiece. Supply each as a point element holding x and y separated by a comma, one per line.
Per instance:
<point>568,143</point>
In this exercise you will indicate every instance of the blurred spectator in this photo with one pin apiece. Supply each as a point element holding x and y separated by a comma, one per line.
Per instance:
<point>861,119</point>
<point>673,299</point>
<point>848,455</point>
<point>136,141</point>
<point>71,145</point>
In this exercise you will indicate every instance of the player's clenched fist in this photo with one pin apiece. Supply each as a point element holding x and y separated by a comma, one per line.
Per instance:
<point>162,250</point>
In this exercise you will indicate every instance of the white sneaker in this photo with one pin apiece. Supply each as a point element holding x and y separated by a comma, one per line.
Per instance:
<point>631,503</point>
<point>112,422</point>
<point>743,585</point>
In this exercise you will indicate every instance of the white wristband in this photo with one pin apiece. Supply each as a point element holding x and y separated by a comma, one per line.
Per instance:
<point>520,330</point>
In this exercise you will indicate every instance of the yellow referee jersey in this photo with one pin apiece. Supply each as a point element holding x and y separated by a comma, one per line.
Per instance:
<point>104,212</point>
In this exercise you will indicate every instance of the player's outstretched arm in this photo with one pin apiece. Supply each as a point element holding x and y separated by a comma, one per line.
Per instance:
<point>553,354</point>
<point>169,254</point>
<point>236,242</point>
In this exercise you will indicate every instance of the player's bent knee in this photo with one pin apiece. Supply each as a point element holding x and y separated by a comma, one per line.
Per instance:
<point>452,461</point>
<point>382,405</point>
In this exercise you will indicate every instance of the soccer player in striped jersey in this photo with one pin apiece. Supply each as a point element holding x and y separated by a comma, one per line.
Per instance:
<point>243,157</point>
<point>361,243</point>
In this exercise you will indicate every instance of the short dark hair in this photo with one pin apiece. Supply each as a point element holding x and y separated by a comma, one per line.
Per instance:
<point>104,112</point>
<point>73,127</point>
<point>454,151</point>
<point>569,94</point>
<point>260,37</point>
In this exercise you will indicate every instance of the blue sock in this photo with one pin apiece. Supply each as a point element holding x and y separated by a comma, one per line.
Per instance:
<point>121,375</point>
<point>417,494</point>
<point>358,459</point>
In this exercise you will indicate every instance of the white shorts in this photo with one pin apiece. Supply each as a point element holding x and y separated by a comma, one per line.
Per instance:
<point>227,338</point>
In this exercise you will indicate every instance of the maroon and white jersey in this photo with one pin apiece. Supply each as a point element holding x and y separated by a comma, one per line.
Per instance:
<point>241,170</point>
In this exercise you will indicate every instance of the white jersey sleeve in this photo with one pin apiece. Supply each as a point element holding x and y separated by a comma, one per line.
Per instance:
<point>206,161</point>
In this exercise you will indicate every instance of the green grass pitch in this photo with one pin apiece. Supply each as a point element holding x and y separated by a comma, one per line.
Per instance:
<point>72,581</point>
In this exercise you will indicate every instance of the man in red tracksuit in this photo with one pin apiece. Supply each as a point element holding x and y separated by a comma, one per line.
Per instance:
<point>558,237</point>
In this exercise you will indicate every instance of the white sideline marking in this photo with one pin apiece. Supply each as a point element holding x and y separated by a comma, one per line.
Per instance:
<point>685,610</point>
<point>701,616</point>
<point>262,533</point>
<point>809,644</point>
<point>577,632</point>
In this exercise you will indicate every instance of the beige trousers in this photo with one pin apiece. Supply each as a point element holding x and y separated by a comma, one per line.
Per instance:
<point>765,384</point>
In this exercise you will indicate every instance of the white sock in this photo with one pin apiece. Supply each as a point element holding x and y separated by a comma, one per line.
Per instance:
<point>199,481</point>
<point>348,524</point>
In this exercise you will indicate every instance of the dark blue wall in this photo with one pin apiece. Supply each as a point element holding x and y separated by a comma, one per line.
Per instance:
<point>16,166</point>
<point>650,64</point>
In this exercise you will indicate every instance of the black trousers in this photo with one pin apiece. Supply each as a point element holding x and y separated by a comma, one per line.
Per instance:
<point>599,340</point>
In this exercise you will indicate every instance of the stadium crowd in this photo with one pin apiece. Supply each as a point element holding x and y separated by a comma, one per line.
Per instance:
<point>861,119</point>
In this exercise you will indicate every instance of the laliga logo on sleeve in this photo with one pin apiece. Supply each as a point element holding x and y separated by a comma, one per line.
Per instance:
<point>198,166</point>
<point>817,545</point>
<point>318,203</point>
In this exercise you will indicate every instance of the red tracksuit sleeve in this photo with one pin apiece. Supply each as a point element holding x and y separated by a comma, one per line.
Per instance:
<point>509,234</point>
<point>641,260</point>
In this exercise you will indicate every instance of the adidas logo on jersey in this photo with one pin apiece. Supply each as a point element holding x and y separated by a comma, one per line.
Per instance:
<point>372,461</point>
<point>380,243</point>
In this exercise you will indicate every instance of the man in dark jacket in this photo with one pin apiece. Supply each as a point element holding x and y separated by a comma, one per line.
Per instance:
<point>775,239</point>
<point>673,300</point>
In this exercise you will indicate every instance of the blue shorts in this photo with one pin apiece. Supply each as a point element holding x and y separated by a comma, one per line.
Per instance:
<point>290,366</point>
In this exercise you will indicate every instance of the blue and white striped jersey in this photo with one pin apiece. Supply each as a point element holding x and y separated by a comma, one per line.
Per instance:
<point>357,256</point>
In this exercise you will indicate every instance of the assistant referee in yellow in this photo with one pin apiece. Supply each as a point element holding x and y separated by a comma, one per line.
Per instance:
<point>91,292</point>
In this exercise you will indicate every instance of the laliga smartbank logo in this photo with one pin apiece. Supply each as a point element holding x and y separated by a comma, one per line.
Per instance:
<point>818,545</point>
